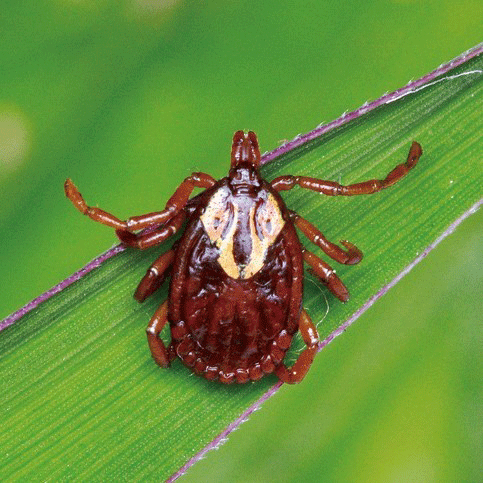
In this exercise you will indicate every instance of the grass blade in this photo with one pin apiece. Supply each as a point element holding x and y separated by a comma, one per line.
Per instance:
<point>81,396</point>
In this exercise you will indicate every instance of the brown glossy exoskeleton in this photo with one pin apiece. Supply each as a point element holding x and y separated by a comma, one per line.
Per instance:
<point>235,297</point>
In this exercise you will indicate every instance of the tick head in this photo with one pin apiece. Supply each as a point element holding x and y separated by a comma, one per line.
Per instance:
<point>245,160</point>
<point>245,149</point>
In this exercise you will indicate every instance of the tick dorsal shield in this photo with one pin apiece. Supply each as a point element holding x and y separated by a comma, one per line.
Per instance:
<point>242,229</point>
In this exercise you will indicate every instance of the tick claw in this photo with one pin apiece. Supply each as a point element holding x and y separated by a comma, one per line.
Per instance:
<point>73,194</point>
<point>353,253</point>
<point>127,237</point>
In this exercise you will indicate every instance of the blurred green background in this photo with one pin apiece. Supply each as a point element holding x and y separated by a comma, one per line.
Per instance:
<point>127,98</point>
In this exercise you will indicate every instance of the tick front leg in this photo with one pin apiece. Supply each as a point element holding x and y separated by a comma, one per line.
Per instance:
<point>155,276</point>
<point>146,240</point>
<point>350,257</point>
<point>332,188</point>
<point>310,336</point>
<point>156,345</point>
<point>176,203</point>
<point>94,213</point>
<point>326,275</point>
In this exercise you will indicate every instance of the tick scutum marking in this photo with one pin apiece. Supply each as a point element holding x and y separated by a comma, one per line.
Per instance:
<point>242,237</point>
<point>242,225</point>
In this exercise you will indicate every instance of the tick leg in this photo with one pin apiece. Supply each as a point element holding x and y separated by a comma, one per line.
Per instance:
<point>146,240</point>
<point>155,276</point>
<point>326,275</point>
<point>298,371</point>
<point>94,213</point>
<point>176,203</point>
<point>331,188</point>
<point>350,257</point>
<point>156,345</point>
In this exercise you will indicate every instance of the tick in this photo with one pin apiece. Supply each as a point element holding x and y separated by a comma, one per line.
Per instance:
<point>235,295</point>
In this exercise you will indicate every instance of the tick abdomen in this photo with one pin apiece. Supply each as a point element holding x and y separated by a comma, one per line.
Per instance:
<point>233,324</point>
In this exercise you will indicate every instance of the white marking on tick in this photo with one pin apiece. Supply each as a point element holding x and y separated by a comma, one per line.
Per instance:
<point>265,223</point>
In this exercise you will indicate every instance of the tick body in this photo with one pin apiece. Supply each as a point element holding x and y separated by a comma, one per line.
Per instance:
<point>235,296</point>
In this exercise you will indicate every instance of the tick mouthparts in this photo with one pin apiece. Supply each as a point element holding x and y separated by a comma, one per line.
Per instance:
<point>245,149</point>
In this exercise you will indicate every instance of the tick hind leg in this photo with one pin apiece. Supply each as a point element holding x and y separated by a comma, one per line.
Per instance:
<point>297,372</point>
<point>155,276</point>
<point>161,355</point>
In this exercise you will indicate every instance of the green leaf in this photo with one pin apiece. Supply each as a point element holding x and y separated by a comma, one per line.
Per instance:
<point>81,396</point>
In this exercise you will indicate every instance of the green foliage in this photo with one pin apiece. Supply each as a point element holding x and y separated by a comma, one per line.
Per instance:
<point>80,394</point>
